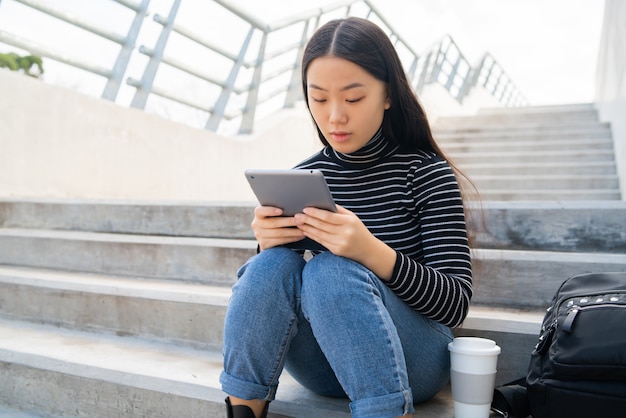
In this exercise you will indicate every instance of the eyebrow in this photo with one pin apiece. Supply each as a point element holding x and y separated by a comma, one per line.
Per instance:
<point>348,87</point>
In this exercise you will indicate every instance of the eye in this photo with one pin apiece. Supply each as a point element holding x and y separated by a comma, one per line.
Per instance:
<point>318,100</point>
<point>354,100</point>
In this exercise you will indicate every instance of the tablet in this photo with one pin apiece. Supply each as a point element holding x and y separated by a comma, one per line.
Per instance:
<point>291,190</point>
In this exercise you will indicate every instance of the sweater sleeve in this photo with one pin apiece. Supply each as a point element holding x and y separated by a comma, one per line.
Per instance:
<point>438,284</point>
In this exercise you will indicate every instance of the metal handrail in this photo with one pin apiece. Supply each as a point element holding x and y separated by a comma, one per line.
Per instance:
<point>253,83</point>
<point>115,74</point>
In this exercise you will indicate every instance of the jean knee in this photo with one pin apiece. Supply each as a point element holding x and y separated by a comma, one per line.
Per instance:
<point>273,260</point>
<point>328,279</point>
<point>327,269</point>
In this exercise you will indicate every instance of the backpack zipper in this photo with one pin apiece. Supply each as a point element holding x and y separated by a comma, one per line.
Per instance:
<point>573,306</point>
<point>574,310</point>
<point>545,339</point>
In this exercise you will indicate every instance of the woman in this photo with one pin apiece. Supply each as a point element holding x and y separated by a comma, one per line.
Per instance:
<point>370,318</point>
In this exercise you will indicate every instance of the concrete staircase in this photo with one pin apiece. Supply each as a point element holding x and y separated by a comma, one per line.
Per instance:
<point>113,308</point>
<point>534,153</point>
<point>116,308</point>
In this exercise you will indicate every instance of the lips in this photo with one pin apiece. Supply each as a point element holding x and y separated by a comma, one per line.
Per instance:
<point>340,136</point>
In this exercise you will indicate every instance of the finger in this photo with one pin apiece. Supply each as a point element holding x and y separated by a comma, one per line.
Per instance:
<point>309,222</point>
<point>323,213</point>
<point>320,231</point>
<point>278,236</point>
<point>342,210</point>
<point>267,211</point>
<point>312,214</point>
<point>288,232</point>
<point>275,222</point>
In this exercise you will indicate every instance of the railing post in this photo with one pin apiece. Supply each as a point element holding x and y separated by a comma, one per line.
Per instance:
<point>294,89</point>
<point>439,56</point>
<point>468,83</point>
<point>119,69</point>
<point>247,118</point>
<point>452,76</point>
<point>421,81</point>
<point>147,80</point>
<point>488,75</point>
<point>220,106</point>
<point>472,79</point>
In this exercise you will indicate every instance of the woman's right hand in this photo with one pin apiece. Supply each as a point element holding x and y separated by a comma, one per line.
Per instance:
<point>272,230</point>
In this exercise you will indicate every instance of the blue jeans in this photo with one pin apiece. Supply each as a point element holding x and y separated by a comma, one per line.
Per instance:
<point>336,328</point>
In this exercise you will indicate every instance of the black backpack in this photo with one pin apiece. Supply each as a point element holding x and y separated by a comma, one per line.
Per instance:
<point>578,367</point>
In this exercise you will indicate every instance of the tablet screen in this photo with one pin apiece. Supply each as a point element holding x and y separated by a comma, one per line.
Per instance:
<point>291,190</point>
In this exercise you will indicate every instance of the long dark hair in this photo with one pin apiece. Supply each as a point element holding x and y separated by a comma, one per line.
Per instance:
<point>365,44</point>
<point>368,46</point>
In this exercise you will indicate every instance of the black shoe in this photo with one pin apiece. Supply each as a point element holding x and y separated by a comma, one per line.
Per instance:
<point>242,411</point>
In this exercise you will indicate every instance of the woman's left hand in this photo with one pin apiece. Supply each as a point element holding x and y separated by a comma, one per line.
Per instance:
<point>344,234</point>
<point>341,232</point>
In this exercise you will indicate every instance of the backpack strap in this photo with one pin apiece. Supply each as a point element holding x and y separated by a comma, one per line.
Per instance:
<point>510,400</point>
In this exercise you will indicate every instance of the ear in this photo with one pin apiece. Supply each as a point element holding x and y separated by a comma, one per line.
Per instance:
<point>387,99</point>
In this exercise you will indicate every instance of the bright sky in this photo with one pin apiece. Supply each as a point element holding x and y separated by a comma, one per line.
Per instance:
<point>548,47</point>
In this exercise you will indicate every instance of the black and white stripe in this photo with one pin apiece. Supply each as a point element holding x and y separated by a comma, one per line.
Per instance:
<point>411,201</point>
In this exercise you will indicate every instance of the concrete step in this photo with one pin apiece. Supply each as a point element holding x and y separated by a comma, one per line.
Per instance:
<point>564,226</point>
<point>60,373</point>
<point>216,262</point>
<point>191,315</point>
<point>535,135</point>
<point>185,219</point>
<point>492,127</point>
<point>529,279</point>
<point>16,413</point>
<point>526,116</point>
<point>185,314</point>
<point>502,148</point>
<point>64,373</point>
<point>182,313</point>
<point>591,225</point>
<point>545,168</point>
<point>571,156</point>
<point>206,260</point>
<point>569,107</point>
<point>516,145</point>
<point>547,182</point>
<point>559,109</point>
<point>512,123</point>
<point>188,314</point>
<point>550,195</point>
<point>549,226</point>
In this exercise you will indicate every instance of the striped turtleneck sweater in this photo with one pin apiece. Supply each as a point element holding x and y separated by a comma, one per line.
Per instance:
<point>411,201</point>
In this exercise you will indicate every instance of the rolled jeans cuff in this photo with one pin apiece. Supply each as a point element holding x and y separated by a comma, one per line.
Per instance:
<point>246,390</point>
<point>380,406</point>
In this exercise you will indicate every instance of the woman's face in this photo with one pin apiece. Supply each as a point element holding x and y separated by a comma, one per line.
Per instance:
<point>347,102</point>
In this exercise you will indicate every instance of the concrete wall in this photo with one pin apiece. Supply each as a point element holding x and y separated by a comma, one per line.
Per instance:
<point>57,143</point>
<point>611,80</point>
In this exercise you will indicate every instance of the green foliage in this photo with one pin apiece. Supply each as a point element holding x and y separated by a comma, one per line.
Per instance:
<point>30,65</point>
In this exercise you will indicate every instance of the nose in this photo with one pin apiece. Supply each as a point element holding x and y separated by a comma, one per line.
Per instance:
<point>338,114</point>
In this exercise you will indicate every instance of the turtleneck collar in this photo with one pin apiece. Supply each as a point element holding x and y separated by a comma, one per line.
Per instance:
<point>370,154</point>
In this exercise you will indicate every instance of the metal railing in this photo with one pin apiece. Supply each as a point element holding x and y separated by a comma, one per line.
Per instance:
<point>445,64</point>
<point>230,90</point>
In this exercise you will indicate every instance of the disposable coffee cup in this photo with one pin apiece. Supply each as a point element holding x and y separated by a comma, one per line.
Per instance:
<point>473,366</point>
